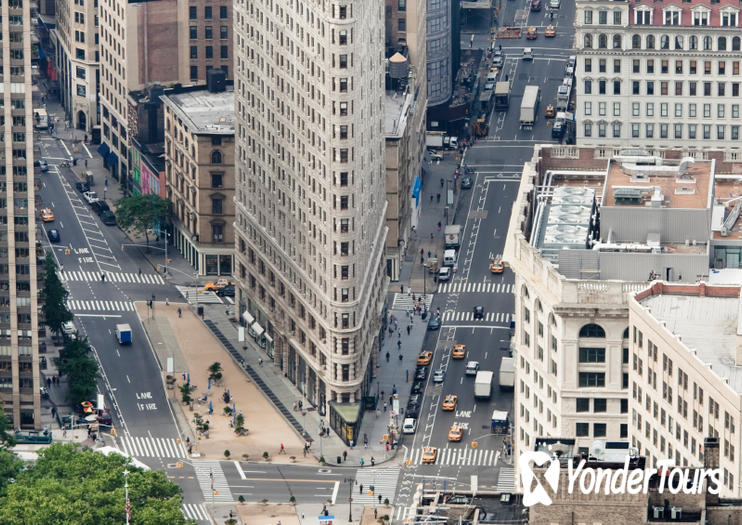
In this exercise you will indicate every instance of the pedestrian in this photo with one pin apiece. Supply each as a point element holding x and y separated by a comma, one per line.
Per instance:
<point>360,487</point>
<point>49,381</point>
<point>379,499</point>
<point>399,345</point>
<point>409,291</point>
<point>345,455</point>
<point>260,361</point>
<point>305,451</point>
<point>387,357</point>
<point>400,357</point>
<point>428,254</point>
<point>102,277</point>
<point>394,390</point>
<point>373,461</point>
<point>439,225</point>
<point>384,406</point>
<point>362,462</point>
<point>438,197</point>
<point>401,288</point>
<point>140,273</point>
<point>184,376</point>
<point>387,447</point>
<point>391,398</point>
<point>180,312</point>
<point>431,198</point>
<point>375,513</point>
<point>283,450</point>
<point>408,329</point>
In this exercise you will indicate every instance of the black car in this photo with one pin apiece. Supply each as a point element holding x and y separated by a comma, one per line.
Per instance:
<point>434,323</point>
<point>467,183</point>
<point>535,5</point>
<point>421,374</point>
<point>417,387</point>
<point>82,187</point>
<point>53,235</point>
<point>108,218</point>
<point>41,163</point>
<point>227,291</point>
<point>479,312</point>
<point>99,207</point>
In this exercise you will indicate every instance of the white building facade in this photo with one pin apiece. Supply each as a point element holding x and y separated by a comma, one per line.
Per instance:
<point>310,200</point>
<point>658,74</point>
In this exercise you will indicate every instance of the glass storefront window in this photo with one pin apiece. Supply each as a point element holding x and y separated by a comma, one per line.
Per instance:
<point>212,264</point>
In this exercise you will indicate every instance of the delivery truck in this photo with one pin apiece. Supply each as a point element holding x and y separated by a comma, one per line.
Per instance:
<point>434,139</point>
<point>123,334</point>
<point>502,96</point>
<point>483,384</point>
<point>507,373</point>
<point>452,235</point>
<point>500,422</point>
<point>529,106</point>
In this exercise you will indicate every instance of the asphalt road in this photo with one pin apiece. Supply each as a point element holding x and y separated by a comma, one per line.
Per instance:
<point>485,215</point>
<point>130,375</point>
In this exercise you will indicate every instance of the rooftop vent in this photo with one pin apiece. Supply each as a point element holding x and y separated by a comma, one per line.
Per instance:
<point>657,198</point>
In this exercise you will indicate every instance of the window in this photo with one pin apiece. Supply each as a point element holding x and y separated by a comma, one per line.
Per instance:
<point>616,130</point>
<point>692,110</point>
<point>81,90</point>
<point>217,232</point>
<point>735,132</point>
<point>216,180</point>
<point>616,41</point>
<point>602,41</point>
<point>588,17</point>
<point>583,404</point>
<point>402,24</point>
<point>601,129</point>
<point>194,51</point>
<point>208,33</point>
<point>207,12</point>
<point>343,61</point>
<point>588,108</point>
<point>707,111</point>
<point>678,87</point>
<point>663,131</point>
<point>588,129</point>
<point>700,18</point>
<point>216,206</point>
<point>720,110</point>
<point>707,131</point>
<point>600,404</point>
<point>691,131</point>
<point>401,5</point>
<point>80,72</point>
<point>616,87</point>
<point>692,89</point>
<point>678,131</point>
<point>592,330</point>
<point>216,157</point>
<point>601,87</point>
<point>209,51</point>
<point>635,109</point>
<point>601,109</point>
<point>650,88</point>
<point>650,66</point>
<point>588,65</point>
<point>588,41</point>
<point>635,130</point>
<point>592,355</point>
<point>601,65</point>
<point>343,85</point>
<point>223,32</point>
<point>599,429</point>
<point>616,66</point>
<point>591,379</point>
<point>588,86</point>
<point>223,12</point>
<point>616,109</point>
<point>193,35</point>
<point>636,42</point>
<point>663,109</point>
<point>602,17</point>
<point>223,51</point>
<point>617,17</point>
<point>80,53</point>
<point>582,429</point>
<point>720,132</point>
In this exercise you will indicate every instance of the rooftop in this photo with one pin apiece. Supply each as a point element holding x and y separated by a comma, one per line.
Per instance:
<point>706,319</point>
<point>204,112</point>
<point>645,181</point>
<point>714,8</point>
<point>397,109</point>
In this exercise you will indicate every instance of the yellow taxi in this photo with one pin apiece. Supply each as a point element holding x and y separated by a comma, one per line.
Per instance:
<point>430,454</point>
<point>449,403</point>
<point>497,266</point>
<point>531,33</point>
<point>459,351</point>
<point>424,358</point>
<point>456,433</point>
<point>550,111</point>
<point>550,31</point>
<point>218,285</point>
<point>47,215</point>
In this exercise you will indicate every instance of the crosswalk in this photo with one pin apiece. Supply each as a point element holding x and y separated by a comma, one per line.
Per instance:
<point>145,446</point>
<point>195,511</point>
<point>383,480</point>
<point>116,277</point>
<point>192,295</point>
<point>489,317</point>
<point>483,287</point>
<point>402,301</point>
<point>506,479</point>
<point>213,483</point>
<point>458,456</point>
<point>98,306</point>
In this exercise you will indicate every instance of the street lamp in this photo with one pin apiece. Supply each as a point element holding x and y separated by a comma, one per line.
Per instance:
<point>321,433</point>
<point>349,481</point>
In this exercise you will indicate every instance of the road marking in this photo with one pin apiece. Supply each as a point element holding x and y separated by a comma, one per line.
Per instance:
<point>239,469</point>
<point>104,316</point>
<point>335,492</point>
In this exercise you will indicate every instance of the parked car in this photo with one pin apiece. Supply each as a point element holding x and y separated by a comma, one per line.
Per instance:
<point>108,218</point>
<point>82,187</point>
<point>53,235</point>
<point>535,5</point>
<point>421,374</point>
<point>498,59</point>
<point>434,323</point>
<point>91,197</point>
<point>99,207</point>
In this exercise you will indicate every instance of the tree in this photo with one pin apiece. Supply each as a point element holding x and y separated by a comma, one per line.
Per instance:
<point>7,439</point>
<point>215,372</point>
<point>68,485</point>
<point>54,297</point>
<point>81,370</point>
<point>10,466</point>
<point>142,213</point>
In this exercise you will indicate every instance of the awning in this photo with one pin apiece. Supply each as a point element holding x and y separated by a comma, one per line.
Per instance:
<point>257,329</point>
<point>268,338</point>
<point>416,187</point>
<point>247,317</point>
<point>103,149</point>
<point>112,159</point>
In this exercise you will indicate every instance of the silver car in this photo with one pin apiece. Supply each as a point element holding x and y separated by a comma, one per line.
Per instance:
<point>439,376</point>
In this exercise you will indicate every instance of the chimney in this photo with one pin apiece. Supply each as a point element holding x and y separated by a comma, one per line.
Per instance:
<point>711,461</point>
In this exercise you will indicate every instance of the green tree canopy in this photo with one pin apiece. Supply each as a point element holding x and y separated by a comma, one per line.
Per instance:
<point>68,485</point>
<point>53,297</point>
<point>7,438</point>
<point>77,363</point>
<point>142,212</point>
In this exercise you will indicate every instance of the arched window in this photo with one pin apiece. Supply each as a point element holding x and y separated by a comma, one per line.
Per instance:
<point>616,41</point>
<point>216,157</point>
<point>693,42</point>
<point>650,41</point>
<point>678,42</point>
<point>735,43</point>
<point>707,45</point>
<point>636,42</point>
<point>664,42</point>
<point>602,41</point>
<point>625,333</point>
<point>524,292</point>
<point>588,41</point>
<point>721,42</point>
<point>592,330</point>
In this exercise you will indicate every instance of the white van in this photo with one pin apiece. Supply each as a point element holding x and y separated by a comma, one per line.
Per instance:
<point>409,425</point>
<point>449,257</point>
<point>444,274</point>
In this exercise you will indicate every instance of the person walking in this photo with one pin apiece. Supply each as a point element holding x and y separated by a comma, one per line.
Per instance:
<point>283,450</point>
<point>345,455</point>
<point>384,406</point>
<point>373,461</point>
<point>360,487</point>
<point>409,328</point>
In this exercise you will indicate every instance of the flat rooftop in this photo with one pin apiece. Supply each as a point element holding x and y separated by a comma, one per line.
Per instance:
<point>707,323</point>
<point>204,112</point>
<point>396,109</point>
<point>680,185</point>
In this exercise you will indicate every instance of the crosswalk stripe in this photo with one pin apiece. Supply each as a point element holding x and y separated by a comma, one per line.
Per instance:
<point>204,472</point>
<point>98,305</point>
<point>479,287</point>
<point>144,446</point>
<point>195,511</point>
<point>119,277</point>
<point>457,456</point>
<point>506,479</point>
<point>402,301</point>
<point>384,481</point>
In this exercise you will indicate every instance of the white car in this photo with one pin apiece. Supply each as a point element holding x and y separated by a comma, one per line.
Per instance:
<point>554,4</point>
<point>409,425</point>
<point>472,367</point>
<point>527,53</point>
<point>91,197</point>
<point>439,376</point>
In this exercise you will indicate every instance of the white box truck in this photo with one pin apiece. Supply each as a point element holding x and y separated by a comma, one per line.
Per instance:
<point>507,373</point>
<point>483,384</point>
<point>452,236</point>
<point>529,106</point>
